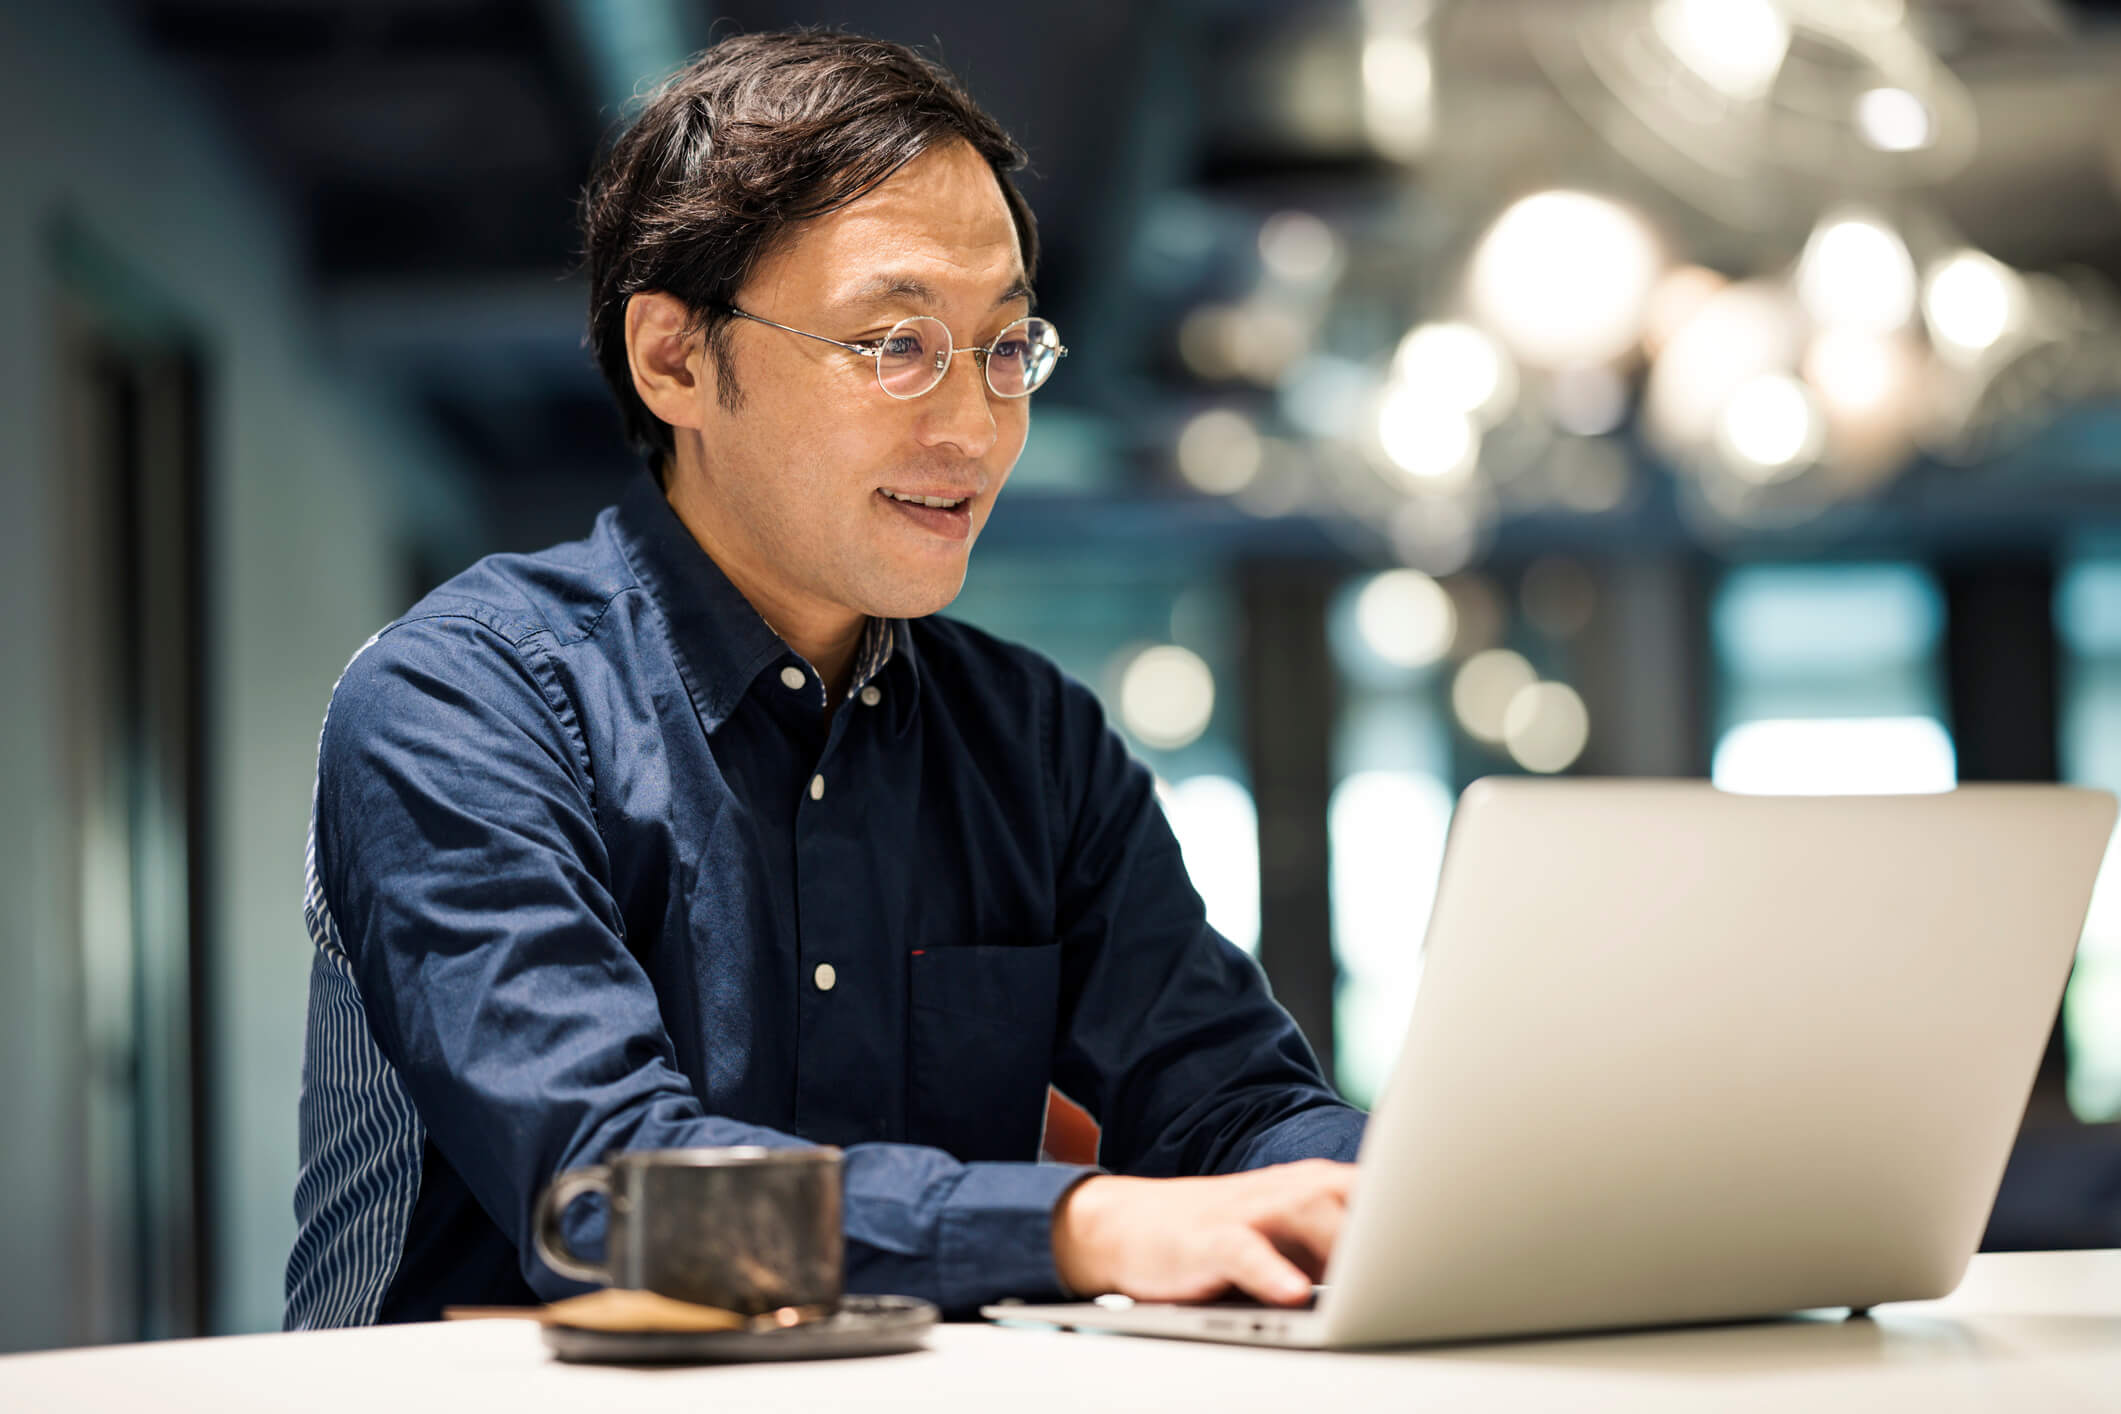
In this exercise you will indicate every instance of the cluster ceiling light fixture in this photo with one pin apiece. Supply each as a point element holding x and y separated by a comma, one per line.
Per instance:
<point>1836,327</point>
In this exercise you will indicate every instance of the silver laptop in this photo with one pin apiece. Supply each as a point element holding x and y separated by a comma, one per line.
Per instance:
<point>1684,1056</point>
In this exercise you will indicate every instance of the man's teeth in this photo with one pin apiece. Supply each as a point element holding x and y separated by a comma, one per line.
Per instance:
<point>942,501</point>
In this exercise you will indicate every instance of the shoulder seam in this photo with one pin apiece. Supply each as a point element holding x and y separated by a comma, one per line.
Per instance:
<point>513,634</point>
<point>596,621</point>
<point>512,628</point>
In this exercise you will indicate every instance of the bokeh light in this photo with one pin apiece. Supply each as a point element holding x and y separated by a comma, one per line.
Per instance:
<point>1439,534</point>
<point>1546,727</point>
<point>1220,451</point>
<point>1853,369</point>
<point>1738,333</point>
<point>1894,120</point>
<point>1166,696</point>
<point>1425,437</point>
<point>1485,686</point>
<point>1406,618</point>
<point>1771,428</point>
<point>1970,301</point>
<point>1398,84</point>
<point>1459,367</point>
<point>1856,271</point>
<point>1564,277</point>
<point>1211,341</point>
<point>1737,46</point>
<point>1298,247</point>
<point>1589,401</point>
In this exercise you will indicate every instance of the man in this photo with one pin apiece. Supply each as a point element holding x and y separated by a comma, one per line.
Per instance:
<point>702,831</point>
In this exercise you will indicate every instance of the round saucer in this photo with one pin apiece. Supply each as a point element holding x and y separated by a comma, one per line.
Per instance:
<point>864,1325</point>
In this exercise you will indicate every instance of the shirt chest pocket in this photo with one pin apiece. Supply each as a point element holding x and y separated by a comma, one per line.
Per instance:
<point>981,1055</point>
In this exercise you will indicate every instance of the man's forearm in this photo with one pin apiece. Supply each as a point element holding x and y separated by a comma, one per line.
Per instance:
<point>917,1221</point>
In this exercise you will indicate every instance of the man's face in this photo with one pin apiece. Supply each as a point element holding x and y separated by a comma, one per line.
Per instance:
<point>798,482</point>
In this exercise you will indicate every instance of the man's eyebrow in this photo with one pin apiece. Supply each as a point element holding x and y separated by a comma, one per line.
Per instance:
<point>888,289</point>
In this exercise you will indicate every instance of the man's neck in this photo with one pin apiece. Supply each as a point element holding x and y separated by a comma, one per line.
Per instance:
<point>826,636</point>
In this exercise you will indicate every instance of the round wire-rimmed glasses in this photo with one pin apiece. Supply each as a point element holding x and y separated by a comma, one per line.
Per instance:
<point>913,357</point>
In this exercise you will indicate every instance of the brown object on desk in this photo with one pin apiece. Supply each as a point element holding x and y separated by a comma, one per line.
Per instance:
<point>618,1309</point>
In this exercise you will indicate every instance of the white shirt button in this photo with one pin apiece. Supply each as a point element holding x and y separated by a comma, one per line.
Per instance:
<point>825,977</point>
<point>793,677</point>
<point>817,787</point>
<point>871,696</point>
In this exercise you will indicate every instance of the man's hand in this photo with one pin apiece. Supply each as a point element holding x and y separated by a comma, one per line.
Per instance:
<point>1267,1233</point>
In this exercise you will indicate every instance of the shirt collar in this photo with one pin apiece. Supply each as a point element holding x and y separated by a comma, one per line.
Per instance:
<point>720,642</point>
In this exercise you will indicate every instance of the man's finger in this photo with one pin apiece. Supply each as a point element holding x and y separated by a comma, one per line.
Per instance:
<point>1255,1268</point>
<point>1326,1174</point>
<point>1310,1224</point>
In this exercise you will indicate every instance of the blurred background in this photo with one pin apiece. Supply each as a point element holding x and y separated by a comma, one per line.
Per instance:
<point>1721,388</point>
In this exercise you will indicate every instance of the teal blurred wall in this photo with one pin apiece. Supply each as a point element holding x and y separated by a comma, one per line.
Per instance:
<point>308,480</point>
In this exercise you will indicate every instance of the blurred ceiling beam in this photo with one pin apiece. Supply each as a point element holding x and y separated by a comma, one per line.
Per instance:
<point>259,31</point>
<point>432,325</point>
<point>623,48</point>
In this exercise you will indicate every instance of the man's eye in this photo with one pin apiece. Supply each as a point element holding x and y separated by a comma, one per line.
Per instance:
<point>1012,348</point>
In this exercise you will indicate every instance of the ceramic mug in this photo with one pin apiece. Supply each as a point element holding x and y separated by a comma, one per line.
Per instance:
<point>748,1229</point>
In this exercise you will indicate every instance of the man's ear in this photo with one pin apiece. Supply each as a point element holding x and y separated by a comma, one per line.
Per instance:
<point>671,371</point>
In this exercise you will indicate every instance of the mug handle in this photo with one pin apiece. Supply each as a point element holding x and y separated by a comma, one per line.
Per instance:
<point>545,1226</point>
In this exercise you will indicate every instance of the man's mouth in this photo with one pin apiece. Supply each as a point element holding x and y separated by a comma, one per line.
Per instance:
<point>947,503</point>
<point>947,516</point>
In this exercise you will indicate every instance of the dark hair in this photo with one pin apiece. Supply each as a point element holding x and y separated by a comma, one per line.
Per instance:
<point>753,135</point>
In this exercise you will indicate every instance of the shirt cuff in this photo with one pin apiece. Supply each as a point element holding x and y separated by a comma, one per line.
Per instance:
<point>996,1235</point>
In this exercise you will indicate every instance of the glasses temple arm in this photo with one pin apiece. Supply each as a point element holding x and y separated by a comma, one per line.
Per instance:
<point>862,349</point>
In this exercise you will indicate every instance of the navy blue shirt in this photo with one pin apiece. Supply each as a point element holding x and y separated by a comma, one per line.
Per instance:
<point>592,867</point>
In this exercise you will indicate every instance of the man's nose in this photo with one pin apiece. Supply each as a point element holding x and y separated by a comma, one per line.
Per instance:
<point>956,412</point>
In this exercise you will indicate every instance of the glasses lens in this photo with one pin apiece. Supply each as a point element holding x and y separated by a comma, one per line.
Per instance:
<point>1023,358</point>
<point>913,357</point>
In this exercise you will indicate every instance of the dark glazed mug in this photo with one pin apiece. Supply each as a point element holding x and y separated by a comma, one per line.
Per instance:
<point>748,1229</point>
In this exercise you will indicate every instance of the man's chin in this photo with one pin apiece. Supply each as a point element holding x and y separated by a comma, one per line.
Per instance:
<point>915,600</point>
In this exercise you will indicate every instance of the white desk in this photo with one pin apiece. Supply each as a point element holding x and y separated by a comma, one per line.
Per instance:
<point>2025,1332</point>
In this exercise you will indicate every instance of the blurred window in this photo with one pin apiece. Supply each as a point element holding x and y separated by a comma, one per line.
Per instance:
<point>1218,834</point>
<point>2088,617</point>
<point>1829,681</point>
<point>1386,831</point>
<point>1836,756</point>
<point>1385,827</point>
